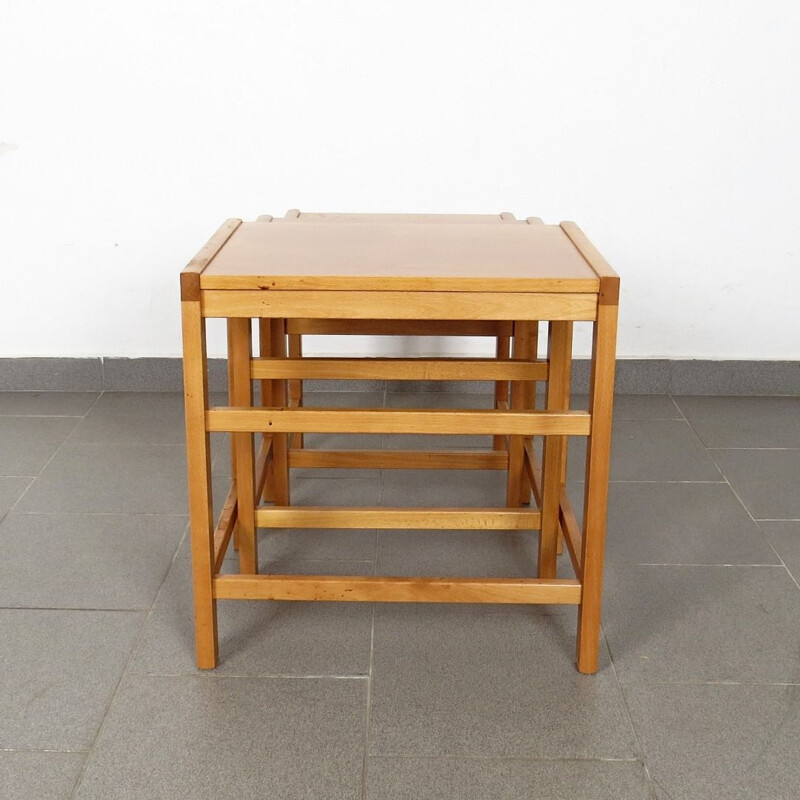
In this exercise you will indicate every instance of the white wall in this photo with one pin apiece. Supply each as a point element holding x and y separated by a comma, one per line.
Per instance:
<point>668,130</point>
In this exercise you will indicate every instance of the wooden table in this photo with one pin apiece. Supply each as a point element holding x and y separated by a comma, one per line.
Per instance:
<point>428,273</point>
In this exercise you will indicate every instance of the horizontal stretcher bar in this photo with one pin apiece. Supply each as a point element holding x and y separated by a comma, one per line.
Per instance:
<point>399,305</point>
<point>397,590</point>
<point>369,420</point>
<point>400,369</point>
<point>398,459</point>
<point>404,327</point>
<point>498,519</point>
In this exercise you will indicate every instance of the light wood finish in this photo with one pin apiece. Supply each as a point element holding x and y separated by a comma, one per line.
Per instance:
<point>398,459</point>
<point>190,277</point>
<point>524,354</point>
<point>494,519</point>
<point>390,420</point>
<point>280,442</point>
<point>389,278</point>
<point>295,341</point>
<point>399,257</point>
<point>502,352</point>
<point>399,305</point>
<point>241,392</point>
<point>598,450</point>
<point>198,460</point>
<point>572,532</point>
<point>396,590</point>
<point>399,369</point>
<point>224,530</point>
<point>559,360</point>
<point>406,327</point>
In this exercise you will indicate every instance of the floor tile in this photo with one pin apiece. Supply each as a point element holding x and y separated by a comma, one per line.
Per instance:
<point>479,681</point>
<point>682,523</point>
<point>719,742</point>
<point>744,421</point>
<point>11,489</point>
<point>487,779</point>
<point>766,480</point>
<point>650,450</point>
<point>107,478</point>
<point>30,775</point>
<point>314,544</point>
<point>444,488</point>
<point>437,400</point>
<point>135,418</point>
<point>785,538</point>
<point>113,561</point>
<point>458,553</point>
<point>342,441</point>
<point>222,739</point>
<point>702,623</point>
<point>261,638</point>
<point>636,406</point>
<point>28,443</point>
<point>335,492</point>
<point>38,404</point>
<point>58,671</point>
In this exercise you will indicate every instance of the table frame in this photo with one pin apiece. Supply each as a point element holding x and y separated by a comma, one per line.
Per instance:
<point>267,470</point>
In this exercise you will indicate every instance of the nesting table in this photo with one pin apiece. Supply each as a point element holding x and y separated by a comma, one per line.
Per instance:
<point>420,277</point>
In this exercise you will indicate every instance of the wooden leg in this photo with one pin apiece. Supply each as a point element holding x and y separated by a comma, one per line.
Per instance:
<point>598,456</point>
<point>199,475</point>
<point>502,350</point>
<point>280,460</point>
<point>566,398</point>
<point>265,351</point>
<point>529,392</point>
<point>516,444</point>
<point>296,387</point>
<point>559,357</point>
<point>240,351</point>
<point>233,454</point>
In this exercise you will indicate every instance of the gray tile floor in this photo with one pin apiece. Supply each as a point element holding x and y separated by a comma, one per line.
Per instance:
<point>697,696</point>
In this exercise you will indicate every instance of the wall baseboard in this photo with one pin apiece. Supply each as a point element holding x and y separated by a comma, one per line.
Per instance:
<point>634,376</point>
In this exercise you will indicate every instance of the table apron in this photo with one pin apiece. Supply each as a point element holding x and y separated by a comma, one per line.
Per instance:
<point>399,305</point>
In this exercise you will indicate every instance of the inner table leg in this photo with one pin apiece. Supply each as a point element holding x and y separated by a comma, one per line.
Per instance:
<point>198,458</point>
<point>501,390</point>
<point>559,358</point>
<point>265,351</point>
<point>519,394</point>
<point>280,441</point>
<point>240,350</point>
<point>598,456</point>
<point>295,387</point>
<point>529,394</point>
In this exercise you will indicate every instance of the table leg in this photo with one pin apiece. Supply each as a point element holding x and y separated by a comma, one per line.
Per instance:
<point>559,356</point>
<point>280,441</point>
<point>529,393</point>
<point>240,350</point>
<point>265,351</point>
<point>198,458</point>
<point>296,387</point>
<point>598,457</point>
<point>502,350</point>
<point>519,397</point>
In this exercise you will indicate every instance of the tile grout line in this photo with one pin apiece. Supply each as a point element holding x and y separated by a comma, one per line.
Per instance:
<point>368,709</point>
<point>55,453</point>
<point>741,502</point>
<point>124,671</point>
<point>637,739</point>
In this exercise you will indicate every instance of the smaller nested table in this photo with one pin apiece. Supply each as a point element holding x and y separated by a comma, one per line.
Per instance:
<point>433,273</point>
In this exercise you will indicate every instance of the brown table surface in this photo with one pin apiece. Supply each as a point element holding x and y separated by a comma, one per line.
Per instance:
<point>401,257</point>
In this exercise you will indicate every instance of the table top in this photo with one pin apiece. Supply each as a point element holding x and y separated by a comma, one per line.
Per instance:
<point>396,256</point>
